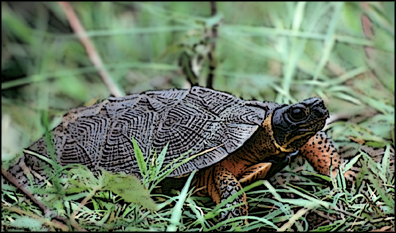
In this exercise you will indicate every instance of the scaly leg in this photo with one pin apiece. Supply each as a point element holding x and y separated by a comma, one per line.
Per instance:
<point>222,184</point>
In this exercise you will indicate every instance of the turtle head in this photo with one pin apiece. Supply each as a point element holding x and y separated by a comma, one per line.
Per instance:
<point>293,125</point>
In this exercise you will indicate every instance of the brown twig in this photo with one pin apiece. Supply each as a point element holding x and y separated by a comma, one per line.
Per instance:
<point>56,220</point>
<point>53,223</point>
<point>46,210</point>
<point>212,61</point>
<point>82,204</point>
<point>368,31</point>
<point>15,182</point>
<point>90,48</point>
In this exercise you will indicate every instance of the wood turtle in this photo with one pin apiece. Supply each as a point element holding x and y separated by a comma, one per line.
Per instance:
<point>251,139</point>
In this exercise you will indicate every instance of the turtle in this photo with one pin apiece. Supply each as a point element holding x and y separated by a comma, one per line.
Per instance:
<point>243,140</point>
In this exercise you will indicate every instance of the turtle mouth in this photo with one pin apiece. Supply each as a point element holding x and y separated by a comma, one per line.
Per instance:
<point>294,125</point>
<point>296,141</point>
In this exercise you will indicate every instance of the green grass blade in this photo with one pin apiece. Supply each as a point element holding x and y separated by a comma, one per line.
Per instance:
<point>177,210</point>
<point>140,159</point>
<point>161,158</point>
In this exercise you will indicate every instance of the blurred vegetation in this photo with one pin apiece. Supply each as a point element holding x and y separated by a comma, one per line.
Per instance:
<point>282,52</point>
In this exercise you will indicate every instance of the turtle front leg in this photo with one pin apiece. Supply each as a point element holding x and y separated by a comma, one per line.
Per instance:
<point>223,184</point>
<point>322,154</point>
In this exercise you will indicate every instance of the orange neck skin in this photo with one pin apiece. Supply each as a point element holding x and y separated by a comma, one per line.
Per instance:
<point>260,147</point>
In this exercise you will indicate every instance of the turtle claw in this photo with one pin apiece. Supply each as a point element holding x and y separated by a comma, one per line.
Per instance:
<point>229,214</point>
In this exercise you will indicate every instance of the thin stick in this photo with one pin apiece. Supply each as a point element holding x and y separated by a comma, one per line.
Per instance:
<point>212,61</point>
<point>15,182</point>
<point>368,31</point>
<point>42,206</point>
<point>90,48</point>
<point>367,26</point>
<point>53,223</point>
<point>82,204</point>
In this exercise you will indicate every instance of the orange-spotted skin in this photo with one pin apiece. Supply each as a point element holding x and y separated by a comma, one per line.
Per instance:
<point>322,154</point>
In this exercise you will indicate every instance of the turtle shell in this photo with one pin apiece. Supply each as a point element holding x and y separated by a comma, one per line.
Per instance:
<point>196,119</point>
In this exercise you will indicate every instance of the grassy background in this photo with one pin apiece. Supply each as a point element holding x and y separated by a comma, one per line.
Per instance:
<point>283,52</point>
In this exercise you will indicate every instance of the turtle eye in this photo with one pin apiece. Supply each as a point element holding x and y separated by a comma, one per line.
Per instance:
<point>298,113</point>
